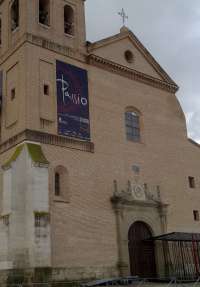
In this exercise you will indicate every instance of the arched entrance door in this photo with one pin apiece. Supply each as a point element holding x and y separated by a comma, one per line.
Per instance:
<point>141,253</point>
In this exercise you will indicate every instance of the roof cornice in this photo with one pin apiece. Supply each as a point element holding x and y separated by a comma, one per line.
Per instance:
<point>130,73</point>
<point>194,142</point>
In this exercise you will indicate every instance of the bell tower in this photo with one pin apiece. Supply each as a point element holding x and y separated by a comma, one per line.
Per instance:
<point>34,36</point>
<point>62,22</point>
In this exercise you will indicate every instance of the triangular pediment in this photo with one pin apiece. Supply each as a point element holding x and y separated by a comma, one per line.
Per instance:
<point>114,48</point>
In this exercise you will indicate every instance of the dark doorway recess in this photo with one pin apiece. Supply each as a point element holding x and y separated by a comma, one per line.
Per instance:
<point>141,252</point>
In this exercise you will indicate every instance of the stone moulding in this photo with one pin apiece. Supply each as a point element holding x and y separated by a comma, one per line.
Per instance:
<point>13,157</point>
<point>130,73</point>
<point>43,43</point>
<point>45,138</point>
<point>55,47</point>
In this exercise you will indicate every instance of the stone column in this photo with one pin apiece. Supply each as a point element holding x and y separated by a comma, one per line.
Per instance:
<point>122,265</point>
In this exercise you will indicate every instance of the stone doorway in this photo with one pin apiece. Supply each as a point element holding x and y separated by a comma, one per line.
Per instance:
<point>141,252</point>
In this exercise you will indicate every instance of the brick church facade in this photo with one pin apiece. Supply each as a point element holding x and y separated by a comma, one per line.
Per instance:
<point>93,144</point>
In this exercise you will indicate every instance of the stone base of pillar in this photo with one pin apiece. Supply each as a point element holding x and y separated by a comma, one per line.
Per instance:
<point>123,269</point>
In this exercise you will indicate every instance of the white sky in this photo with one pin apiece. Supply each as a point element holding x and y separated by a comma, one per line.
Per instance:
<point>170,30</point>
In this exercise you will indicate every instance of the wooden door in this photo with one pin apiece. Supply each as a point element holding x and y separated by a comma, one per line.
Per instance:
<point>141,252</point>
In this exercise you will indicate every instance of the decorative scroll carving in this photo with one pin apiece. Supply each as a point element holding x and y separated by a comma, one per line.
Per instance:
<point>130,192</point>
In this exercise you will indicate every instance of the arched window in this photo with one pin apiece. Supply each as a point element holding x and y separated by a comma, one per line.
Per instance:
<point>57,184</point>
<point>68,20</point>
<point>44,12</point>
<point>14,15</point>
<point>132,122</point>
<point>61,183</point>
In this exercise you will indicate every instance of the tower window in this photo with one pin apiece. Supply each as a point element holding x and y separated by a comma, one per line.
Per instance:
<point>15,15</point>
<point>44,12</point>
<point>196,215</point>
<point>13,94</point>
<point>191,181</point>
<point>68,20</point>
<point>46,90</point>
<point>132,122</point>
<point>57,184</point>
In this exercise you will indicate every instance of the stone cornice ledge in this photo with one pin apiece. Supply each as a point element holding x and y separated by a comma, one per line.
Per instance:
<point>122,202</point>
<point>45,138</point>
<point>46,44</point>
<point>55,47</point>
<point>130,73</point>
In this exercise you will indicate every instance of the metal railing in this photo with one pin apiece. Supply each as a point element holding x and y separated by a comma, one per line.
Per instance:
<point>140,283</point>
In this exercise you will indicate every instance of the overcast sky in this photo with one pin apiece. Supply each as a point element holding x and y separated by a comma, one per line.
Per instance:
<point>170,30</point>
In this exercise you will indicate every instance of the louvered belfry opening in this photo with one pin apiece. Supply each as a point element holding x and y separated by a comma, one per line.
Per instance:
<point>68,20</point>
<point>141,252</point>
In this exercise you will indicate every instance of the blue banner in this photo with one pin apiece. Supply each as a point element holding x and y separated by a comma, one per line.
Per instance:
<point>72,101</point>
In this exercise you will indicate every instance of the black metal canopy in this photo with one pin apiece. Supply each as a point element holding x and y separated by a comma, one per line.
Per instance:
<point>177,236</point>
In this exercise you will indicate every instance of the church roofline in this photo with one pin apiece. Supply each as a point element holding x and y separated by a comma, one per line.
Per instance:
<point>131,73</point>
<point>194,142</point>
<point>124,33</point>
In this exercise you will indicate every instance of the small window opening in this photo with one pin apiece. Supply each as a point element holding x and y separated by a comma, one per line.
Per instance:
<point>15,15</point>
<point>68,20</point>
<point>129,56</point>
<point>57,184</point>
<point>13,94</point>
<point>196,215</point>
<point>61,184</point>
<point>44,12</point>
<point>191,182</point>
<point>45,124</point>
<point>46,90</point>
<point>41,219</point>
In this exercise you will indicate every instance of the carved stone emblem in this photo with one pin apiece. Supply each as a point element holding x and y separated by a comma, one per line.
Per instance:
<point>137,191</point>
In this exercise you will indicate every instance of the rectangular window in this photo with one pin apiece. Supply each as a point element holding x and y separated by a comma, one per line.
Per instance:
<point>46,90</point>
<point>45,123</point>
<point>41,219</point>
<point>196,215</point>
<point>13,94</point>
<point>191,181</point>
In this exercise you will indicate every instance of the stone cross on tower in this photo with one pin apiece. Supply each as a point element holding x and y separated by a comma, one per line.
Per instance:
<point>123,15</point>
